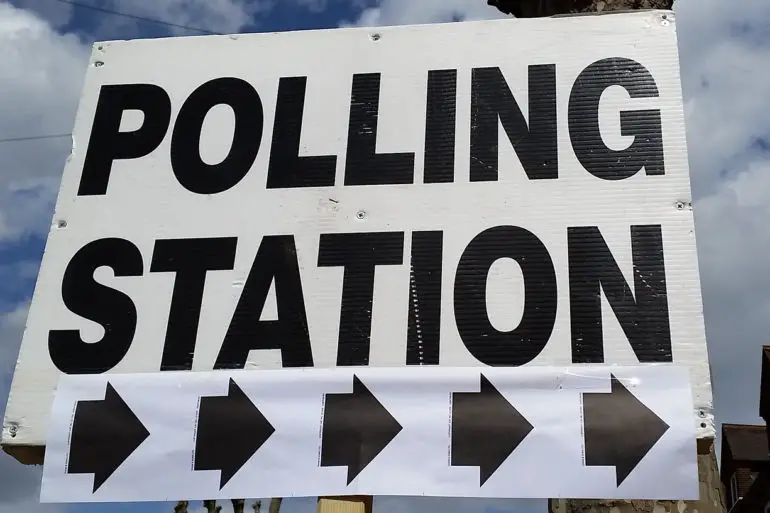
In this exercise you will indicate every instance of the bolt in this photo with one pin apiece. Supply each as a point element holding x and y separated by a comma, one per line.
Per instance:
<point>13,429</point>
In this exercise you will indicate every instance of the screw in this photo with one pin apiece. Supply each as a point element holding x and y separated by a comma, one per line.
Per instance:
<point>13,429</point>
<point>98,63</point>
<point>361,214</point>
<point>375,37</point>
<point>61,223</point>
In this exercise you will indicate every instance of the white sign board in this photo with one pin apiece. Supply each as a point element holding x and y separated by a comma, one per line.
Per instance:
<point>498,193</point>
<point>617,432</point>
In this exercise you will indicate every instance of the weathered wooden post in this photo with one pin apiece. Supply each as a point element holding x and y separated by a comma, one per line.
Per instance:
<point>275,505</point>
<point>352,504</point>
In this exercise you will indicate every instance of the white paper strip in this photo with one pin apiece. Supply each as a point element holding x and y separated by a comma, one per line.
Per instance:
<point>540,432</point>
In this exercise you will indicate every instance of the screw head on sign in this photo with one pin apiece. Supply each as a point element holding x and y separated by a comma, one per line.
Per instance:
<point>361,214</point>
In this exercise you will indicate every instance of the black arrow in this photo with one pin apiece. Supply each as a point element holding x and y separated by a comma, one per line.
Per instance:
<point>230,430</point>
<point>619,430</point>
<point>356,428</point>
<point>104,434</point>
<point>486,429</point>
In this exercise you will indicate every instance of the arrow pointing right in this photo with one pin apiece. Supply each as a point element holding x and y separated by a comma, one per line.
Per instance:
<point>104,434</point>
<point>356,428</point>
<point>230,430</point>
<point>486,429</point>
<point>619,430</point>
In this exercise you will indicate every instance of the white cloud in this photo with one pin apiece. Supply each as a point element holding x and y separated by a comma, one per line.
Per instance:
<point>43,71</point>
<point>213,15</point>
<point>224,16</point>
<point>734,244</point>
<point>724,48</point>
<point>42,75</point>
<point>58,14</point>
<point>724,82</point>
<point>11,328</point>
<point>400,12</point>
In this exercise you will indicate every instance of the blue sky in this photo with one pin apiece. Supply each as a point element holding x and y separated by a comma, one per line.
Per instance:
<point>724,46</point>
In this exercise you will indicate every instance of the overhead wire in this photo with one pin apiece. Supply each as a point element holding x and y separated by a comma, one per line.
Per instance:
<point>113,12</point>
<point>32,138</point>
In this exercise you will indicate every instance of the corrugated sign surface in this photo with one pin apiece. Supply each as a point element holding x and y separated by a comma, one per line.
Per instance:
<point>499,193</point>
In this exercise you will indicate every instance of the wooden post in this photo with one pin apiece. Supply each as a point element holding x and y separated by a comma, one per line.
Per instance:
<point>352,504</point>
<point>275,505</point>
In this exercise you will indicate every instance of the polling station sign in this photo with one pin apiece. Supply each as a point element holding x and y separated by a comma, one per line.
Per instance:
<point>498,193</point>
